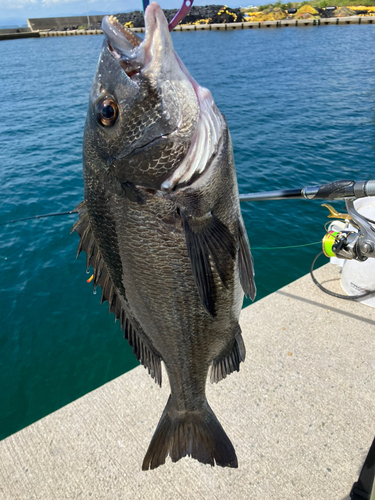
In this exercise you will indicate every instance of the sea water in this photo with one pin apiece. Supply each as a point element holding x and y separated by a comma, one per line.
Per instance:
<point>300,104</point>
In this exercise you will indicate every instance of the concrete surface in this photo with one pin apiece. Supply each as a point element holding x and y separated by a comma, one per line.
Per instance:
<point>300,414</point>
<point>47,23</point>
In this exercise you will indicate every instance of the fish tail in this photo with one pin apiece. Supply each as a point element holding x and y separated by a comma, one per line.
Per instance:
<point>192,433</point>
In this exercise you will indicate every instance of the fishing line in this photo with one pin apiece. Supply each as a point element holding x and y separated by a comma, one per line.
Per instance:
<point>291,246</point>
<point>72,212</point>
<point>321,287</point>
<point>38,217</point>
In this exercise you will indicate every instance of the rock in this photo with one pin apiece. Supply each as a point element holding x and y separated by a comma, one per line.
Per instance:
<point>216,14</point>
<point>135,17</point>
<point>227,15</point>
<point>205,14</point>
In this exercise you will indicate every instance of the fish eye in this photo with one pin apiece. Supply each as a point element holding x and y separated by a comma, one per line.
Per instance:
<point>106,111</point>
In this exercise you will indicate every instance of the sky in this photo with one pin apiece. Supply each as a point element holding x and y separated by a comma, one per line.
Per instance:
<point>17,11</point>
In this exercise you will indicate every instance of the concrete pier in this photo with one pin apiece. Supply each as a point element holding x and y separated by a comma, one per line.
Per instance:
<point>235,26</point>
<point>300,414</point>
<point>31,32</point>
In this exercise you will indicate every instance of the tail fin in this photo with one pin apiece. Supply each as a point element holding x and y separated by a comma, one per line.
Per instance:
<point>197,434</point>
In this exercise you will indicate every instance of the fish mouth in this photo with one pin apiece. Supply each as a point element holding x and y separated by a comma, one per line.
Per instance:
<point>154,55</point>
<point>133,53</point>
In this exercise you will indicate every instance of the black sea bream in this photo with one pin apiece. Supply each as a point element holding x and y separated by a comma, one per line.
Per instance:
<point>162,229</point>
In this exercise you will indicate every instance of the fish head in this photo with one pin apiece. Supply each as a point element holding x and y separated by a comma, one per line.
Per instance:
<point>143,109</point>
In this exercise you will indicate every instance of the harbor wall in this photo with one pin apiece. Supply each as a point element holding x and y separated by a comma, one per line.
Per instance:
<point>54,26</point>
<point>59,23</point>
<point>13,34</point>
<point>237,26</point>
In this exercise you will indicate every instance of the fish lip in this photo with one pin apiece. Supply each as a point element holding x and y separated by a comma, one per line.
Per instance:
<point>126,45</point>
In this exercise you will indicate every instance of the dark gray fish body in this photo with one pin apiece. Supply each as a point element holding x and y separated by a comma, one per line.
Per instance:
<point>162,228</point>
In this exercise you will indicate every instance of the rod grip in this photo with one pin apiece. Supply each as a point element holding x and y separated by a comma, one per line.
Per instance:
<point>335,190</point>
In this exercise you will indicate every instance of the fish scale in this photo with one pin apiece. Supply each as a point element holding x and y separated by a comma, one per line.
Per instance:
<point>172,258</point>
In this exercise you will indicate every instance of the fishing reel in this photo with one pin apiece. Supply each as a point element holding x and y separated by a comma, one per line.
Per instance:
<point>353,239</point>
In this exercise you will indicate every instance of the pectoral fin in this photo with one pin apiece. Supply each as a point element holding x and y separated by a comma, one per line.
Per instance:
<point>208,238</point>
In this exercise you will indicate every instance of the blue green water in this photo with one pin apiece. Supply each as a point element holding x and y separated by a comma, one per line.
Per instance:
<point>300,103</point>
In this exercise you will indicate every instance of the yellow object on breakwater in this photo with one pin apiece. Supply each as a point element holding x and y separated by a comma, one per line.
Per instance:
<point>361,7</point>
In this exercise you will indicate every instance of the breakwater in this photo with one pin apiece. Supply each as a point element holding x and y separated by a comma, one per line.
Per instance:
<point>236,26</point>
<point>209,27</point>
<point>61,23</point>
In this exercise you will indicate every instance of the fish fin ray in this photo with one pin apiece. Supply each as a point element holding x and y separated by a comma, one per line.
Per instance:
<point>228,363</point>
<point>208,238</point>
<point>148,358</point>
<point>245,262</point>
<point>81,223</point>
<point>138,341</point>
<point>198,434</point>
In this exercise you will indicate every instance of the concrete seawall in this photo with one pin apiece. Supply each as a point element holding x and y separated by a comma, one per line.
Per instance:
<point>59,23</point>
<point>240,26</point>
<point>15,35</point>
<point>47,23</point>
<point>300,414</point>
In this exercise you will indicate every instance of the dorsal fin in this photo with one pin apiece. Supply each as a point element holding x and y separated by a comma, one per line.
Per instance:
<point>132,331</point>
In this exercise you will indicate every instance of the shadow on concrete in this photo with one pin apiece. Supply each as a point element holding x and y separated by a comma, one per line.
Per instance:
<point>324,306</point>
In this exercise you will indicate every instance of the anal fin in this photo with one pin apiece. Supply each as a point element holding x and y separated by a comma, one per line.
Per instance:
<point>132,331</point>
<point>142,351</point>
<point>229,362</point>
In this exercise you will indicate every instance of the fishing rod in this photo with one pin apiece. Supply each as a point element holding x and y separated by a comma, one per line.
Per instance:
<point>337,190</point>
<point>57,214</point>
<point>353,239</point>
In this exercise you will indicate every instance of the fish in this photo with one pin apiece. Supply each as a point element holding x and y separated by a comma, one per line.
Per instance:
<point>162,229</point>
